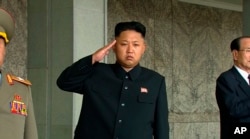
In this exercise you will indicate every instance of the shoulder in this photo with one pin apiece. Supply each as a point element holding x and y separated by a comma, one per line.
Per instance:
<point>12,79</point>
<point>231,74</point>
<point>152,73</point>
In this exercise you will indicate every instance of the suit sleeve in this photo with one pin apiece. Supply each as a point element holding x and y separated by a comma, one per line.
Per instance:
<point>72,78</point>
<point>30,131</point>
<point>230,97</point>
<point>161,129</point>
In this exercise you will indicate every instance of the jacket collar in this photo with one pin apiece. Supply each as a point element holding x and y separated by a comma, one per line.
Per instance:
<point>121,73</point>
<point>242,83</point>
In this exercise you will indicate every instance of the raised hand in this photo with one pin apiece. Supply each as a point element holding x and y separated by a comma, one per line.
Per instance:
<point>102,52</point>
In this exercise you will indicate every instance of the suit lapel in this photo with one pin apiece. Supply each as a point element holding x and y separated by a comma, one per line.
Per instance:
<point>242,83</point>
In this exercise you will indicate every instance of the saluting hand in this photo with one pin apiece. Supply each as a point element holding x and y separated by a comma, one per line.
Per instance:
<point>102,52</point>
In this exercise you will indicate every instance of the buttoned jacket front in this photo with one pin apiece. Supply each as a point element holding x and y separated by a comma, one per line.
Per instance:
<point>233,98</point>
<point>117,104</point>
<point>14,125</point>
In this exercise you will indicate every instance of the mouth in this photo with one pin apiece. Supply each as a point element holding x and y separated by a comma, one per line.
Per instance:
<point>129,57</point>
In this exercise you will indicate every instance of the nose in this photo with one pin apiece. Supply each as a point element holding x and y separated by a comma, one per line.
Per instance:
<point>130,48</point>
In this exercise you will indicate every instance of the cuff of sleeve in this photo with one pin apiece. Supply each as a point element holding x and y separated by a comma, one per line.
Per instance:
<point>85,62</point>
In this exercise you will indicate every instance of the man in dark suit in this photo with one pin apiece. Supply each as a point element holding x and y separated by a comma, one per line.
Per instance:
<point>233,90</point>
<point>121,100</point>
<point>16,106</point>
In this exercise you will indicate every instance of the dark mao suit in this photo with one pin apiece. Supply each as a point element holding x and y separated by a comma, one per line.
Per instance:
<point>117,104</point>
<point>233,98</point>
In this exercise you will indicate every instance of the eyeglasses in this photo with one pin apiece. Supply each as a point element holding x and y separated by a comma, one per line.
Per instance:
<point>247,51</point>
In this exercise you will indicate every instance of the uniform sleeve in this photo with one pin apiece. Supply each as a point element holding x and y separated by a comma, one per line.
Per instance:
<point>30,131</point>
<point>72,78</point>
<point>161,129</point>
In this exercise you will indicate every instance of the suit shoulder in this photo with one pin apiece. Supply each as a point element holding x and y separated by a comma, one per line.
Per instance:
<point>229,73</point>
<point>12,79</point>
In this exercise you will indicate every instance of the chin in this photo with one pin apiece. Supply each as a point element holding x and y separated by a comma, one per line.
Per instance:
<point>130,65</point>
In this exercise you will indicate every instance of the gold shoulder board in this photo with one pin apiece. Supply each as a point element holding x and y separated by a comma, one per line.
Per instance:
<point>11,78</point>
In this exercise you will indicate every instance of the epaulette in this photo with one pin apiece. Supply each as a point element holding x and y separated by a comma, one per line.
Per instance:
<point>12,78</point>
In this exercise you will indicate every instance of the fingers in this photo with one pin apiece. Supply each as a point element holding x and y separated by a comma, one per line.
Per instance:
<point>110,45</point>
<point>102,52</point>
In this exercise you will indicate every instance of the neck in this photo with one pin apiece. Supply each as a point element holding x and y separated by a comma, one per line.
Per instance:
<point>127,69</point>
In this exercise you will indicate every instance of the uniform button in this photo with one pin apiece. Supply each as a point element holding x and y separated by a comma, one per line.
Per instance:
<point>126,87</point>
<point>123,104</point>
<point>126,77</point>
<point>120,121</point>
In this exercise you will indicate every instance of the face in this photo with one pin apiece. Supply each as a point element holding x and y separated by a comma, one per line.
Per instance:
<point>2,51</point>
<point>129,48</point>
<point>242,57</point>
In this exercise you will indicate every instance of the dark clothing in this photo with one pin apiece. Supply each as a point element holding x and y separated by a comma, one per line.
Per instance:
<point>233,98</point>
<point>116,103</point>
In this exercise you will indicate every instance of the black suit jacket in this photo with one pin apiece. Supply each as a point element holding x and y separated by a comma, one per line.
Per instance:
<point>233,98</point>
<point>117,104</point>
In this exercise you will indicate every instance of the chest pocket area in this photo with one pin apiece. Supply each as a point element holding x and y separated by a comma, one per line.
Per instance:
<point>146,98</point>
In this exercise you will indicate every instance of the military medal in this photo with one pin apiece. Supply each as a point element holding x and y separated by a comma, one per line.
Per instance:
<point>17,106</point>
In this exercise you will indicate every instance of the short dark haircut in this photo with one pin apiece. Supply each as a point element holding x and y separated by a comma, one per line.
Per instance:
<point>235,44</point>
<point>133,25</point>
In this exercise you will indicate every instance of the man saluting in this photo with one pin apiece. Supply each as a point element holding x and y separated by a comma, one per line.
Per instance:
<point>121,100</point>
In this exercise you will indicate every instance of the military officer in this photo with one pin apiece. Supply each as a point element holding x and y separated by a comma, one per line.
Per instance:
<point>16,106</point>
<point>121,100</point>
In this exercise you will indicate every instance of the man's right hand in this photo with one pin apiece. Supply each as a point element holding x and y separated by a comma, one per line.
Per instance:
<point>102,52</point>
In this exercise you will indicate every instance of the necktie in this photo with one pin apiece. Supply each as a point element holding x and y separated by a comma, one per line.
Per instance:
<point>248,79</point>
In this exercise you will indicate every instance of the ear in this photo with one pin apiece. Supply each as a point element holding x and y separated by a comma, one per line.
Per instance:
<point>144,48</point>
<point>114,48</point>
<point>235,54</point>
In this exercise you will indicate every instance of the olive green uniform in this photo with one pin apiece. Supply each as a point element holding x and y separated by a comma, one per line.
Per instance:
<point>16,110</point>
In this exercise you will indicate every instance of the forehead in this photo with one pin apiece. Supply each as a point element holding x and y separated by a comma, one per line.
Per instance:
<point>2,39</point>
<point>245,42</point>
<point>2,43</point>
<point>130,33</point>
